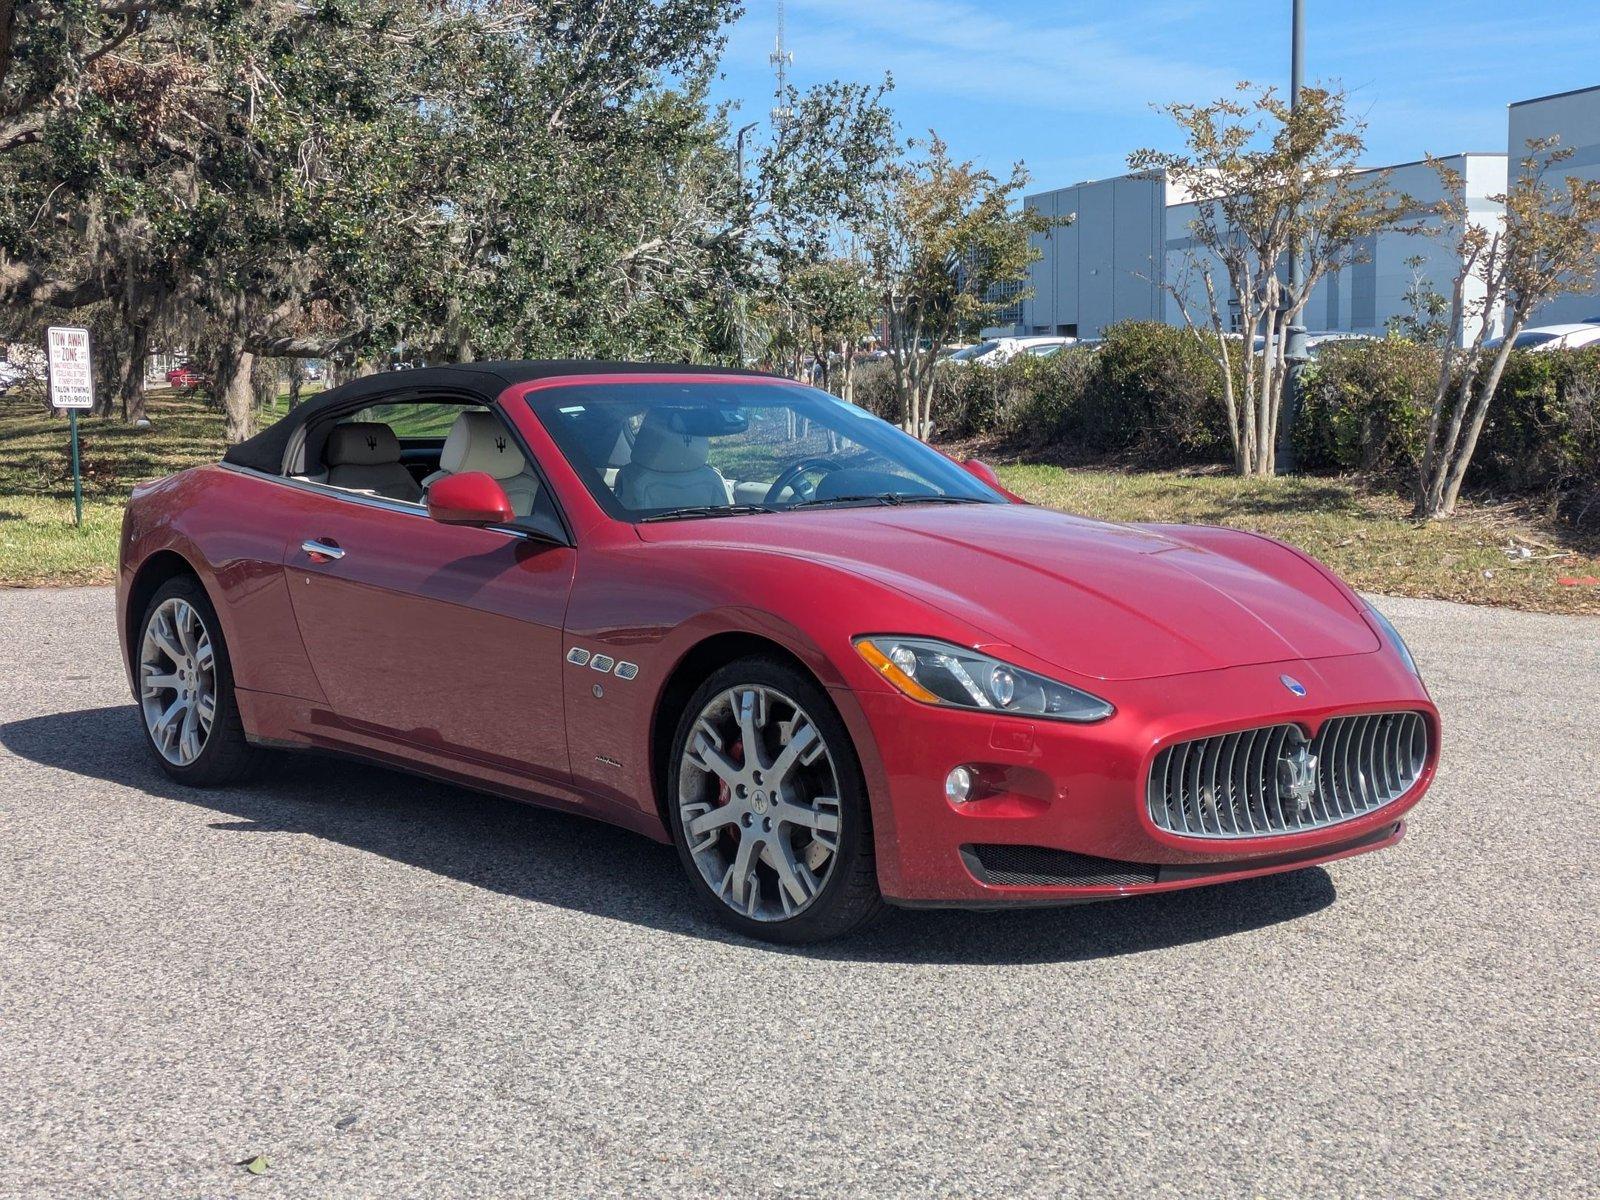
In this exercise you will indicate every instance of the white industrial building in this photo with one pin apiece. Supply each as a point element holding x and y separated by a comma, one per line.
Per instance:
<point>1130,244</point>
<point>1574,118</point>
<point>1131,238</point>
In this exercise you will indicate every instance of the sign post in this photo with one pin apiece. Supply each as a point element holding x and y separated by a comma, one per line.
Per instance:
<point>71,388</point>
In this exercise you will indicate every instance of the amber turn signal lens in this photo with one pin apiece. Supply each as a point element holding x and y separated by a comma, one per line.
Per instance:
<point>879,662</point>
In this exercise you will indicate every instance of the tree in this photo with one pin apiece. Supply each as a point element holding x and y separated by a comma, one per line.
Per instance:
<point>433,179</point>
<point>1427,316</point>
<point>1548,245</point>
<point>946,233</point>
<point>1266,180</point>
<point>836,305</point>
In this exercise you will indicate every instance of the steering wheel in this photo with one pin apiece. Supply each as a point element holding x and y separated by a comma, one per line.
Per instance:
<point>791,479</point>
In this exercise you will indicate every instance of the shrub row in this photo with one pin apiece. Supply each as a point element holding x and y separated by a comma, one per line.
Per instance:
<point>1152,393</point>
<point>1366,408</point>
<point>1148,390</point>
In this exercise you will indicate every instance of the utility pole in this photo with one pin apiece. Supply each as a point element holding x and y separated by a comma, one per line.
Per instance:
<point>1294,350</point>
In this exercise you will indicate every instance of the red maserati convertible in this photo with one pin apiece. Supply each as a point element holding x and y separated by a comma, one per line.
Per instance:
<point>832,666</point>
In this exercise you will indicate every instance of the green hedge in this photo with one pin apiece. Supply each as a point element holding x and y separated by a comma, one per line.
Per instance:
<point>1365,407</point>
<point>1543,432</point>
<point>1148,390</point>
<point>1152,393</point>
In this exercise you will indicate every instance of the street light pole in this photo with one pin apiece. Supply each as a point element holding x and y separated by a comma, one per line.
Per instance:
<point>1294,350</point>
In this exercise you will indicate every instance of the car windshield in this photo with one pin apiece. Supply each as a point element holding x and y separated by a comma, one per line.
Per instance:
<point>668,451</point>
<point>1524,340</point>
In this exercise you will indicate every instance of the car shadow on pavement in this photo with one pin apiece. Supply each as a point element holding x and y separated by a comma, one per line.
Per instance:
<point>575,863</point>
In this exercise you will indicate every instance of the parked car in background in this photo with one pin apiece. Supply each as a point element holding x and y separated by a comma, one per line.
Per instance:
<point>1002,350</point>
<point>1553,337</point>
<point>1317,342</point>
<point>184,376</point>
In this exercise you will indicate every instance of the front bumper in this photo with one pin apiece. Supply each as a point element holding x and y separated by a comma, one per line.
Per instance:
<point>1063,814</point>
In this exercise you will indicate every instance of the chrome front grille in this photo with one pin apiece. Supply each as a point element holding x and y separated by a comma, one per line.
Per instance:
<point>1260,782</point>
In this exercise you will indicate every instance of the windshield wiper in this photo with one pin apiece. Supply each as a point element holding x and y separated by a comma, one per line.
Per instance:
<point>707,510</point>
<point>891,498</point>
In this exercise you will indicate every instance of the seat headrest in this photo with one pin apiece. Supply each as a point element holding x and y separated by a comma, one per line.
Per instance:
<point>478,442</point>
<point>657,448</point>
<point>361,444</point>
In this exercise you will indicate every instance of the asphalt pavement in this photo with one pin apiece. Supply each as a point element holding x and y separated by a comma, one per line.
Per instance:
<point>389,987</point>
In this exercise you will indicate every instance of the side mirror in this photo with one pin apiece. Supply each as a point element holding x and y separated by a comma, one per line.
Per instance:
<point>470,498</point>
<point>983,472</point>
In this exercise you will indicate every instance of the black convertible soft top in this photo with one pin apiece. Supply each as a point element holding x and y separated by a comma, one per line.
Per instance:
<point>481,380</point>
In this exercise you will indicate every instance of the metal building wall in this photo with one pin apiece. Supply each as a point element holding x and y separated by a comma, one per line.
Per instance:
<point>1105,266</point>
<point>1574,117</point>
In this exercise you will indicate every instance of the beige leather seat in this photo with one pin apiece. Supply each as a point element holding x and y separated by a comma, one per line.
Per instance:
<point>479,442</point>
<point>669,470</point>
<point>364,456</point>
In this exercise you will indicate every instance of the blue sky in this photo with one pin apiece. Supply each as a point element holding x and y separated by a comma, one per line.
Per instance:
<point>1068,87</point>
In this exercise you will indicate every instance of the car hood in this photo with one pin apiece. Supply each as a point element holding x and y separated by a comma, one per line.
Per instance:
<point>1096,599</point>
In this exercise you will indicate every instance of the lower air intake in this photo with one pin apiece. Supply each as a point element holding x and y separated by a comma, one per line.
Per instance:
<point>1040,866</point>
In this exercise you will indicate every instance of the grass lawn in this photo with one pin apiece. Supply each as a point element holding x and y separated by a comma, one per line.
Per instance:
<point>1362,534</point>
<point>38,543</point>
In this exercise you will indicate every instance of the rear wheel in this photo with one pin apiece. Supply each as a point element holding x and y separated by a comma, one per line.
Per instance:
<point>768,806</point>
<point>185,686</point>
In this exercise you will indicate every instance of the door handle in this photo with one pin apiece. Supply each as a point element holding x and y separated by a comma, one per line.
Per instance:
<point>322,551</point>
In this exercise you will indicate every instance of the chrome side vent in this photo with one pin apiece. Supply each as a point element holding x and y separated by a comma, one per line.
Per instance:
<point>1272,780</point>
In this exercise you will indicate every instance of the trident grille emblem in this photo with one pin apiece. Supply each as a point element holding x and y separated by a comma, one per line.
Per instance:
<point>1297,771</point>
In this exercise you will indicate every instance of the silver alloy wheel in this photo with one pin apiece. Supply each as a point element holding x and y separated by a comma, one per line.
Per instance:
<point>178,681</point>
<point>759,799</point>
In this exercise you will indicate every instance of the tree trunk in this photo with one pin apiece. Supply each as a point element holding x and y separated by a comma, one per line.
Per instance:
<point>1458,469</point>
<point>131,382</point>
<point>1445,468</point>
<point>233,389</point>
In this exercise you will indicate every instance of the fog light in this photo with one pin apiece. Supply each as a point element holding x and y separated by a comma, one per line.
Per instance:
<point>958,785</point>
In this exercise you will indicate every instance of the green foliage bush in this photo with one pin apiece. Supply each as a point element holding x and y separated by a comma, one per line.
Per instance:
<point>1543,431</point>
<point>1156,392</point>
<point>1148,389</point>
<point>1365,407</point>
<point>1153,393</point>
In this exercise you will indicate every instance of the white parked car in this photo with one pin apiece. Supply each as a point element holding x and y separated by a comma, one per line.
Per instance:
<point>1553,337</point>
<point>1000,350</point>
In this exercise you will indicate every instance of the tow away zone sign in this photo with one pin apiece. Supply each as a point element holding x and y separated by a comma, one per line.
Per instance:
<point>71,379</point>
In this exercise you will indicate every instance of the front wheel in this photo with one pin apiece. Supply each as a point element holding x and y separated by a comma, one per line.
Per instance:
<point>769,808</point>
<point>185,685</point>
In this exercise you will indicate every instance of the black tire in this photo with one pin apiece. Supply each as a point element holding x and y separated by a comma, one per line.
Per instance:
<point>849,897</point>
<point>226,756</point>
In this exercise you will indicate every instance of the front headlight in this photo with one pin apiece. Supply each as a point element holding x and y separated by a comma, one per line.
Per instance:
<point>944,673</point>
<point>1395,640</point>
